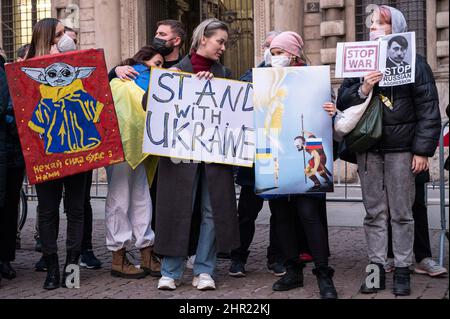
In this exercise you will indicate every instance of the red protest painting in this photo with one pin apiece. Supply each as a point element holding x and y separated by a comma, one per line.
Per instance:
<point>65,114</point>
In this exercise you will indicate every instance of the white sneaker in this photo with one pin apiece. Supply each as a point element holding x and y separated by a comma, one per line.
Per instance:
<point>166,283</point>
<point>429,267</point>
<point>204,282</point>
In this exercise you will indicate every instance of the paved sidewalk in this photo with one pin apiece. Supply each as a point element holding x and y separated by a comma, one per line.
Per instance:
<point>348,250</point>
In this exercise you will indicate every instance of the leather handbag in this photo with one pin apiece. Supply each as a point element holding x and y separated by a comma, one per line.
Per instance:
<point>368,130</point>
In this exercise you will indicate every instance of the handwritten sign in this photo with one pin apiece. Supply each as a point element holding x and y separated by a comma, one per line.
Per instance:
<point>200,120</point>
<point>65,114</point>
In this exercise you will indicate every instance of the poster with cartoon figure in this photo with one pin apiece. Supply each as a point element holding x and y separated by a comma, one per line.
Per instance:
<point>65,114</point>
<point>294,142</point>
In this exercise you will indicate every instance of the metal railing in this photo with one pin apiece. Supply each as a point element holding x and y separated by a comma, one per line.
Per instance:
<point>443,204</point>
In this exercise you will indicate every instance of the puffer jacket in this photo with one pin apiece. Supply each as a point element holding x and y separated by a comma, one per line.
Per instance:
<point>10,149</point>
<point>414,123</point>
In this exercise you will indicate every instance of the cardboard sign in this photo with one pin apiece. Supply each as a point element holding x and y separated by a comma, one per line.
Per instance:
<point>294,142</point>
<point>200,120</point>
<point>65,114</point>
<point>356,59</point>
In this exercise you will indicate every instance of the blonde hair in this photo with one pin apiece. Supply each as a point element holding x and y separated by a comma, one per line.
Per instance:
<point>207,29</point>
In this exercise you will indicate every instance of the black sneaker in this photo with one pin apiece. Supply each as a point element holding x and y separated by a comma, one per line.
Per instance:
<point>237,269</point>
<point>41,265</point>
<point>223,256</point>
<point>278,269</point>
<point>89,261</point>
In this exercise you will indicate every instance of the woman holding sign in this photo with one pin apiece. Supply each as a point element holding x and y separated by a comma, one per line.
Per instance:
<point>48,36</point>
<point>410,134</point>
<point>128,207</point>
<point>287,51</point>
<point>178,184</point>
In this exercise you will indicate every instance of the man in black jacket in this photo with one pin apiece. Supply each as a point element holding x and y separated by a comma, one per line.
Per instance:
<point>411,128</point>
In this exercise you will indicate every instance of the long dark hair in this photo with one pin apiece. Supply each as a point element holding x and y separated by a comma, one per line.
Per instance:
<point>146,53</point>
<point>42,40</point>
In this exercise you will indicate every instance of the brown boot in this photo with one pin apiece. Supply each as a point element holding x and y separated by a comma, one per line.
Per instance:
<point>150,263</point>
<point>123,268</point>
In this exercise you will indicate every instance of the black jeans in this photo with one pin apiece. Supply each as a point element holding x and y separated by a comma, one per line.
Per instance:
<point>49,198</point>
<point>301,235</point>
<point>307,209</point>
<point>248,209</point>
<point>9,214</point>
<point>422,247</point>
<point>88,217</point>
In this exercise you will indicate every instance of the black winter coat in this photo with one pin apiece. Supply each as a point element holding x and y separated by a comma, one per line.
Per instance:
<point>414,123</point>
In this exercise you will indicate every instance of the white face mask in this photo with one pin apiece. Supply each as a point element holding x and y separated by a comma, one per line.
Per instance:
<point>280,61</point>
<point>66,44</point>
<point>376,35</point>
<point>267,57</point>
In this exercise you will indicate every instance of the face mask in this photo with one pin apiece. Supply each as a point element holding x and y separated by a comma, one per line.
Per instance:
<point>160,45</point>
<point>267,57</point>
<point>376,35</point>
<point>280,61</point>
<point>66,44</point>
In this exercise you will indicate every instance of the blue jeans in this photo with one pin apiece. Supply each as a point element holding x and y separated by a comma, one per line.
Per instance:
<point>206,253</point>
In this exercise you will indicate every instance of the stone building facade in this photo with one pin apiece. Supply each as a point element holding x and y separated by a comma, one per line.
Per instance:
<point>121,27</point>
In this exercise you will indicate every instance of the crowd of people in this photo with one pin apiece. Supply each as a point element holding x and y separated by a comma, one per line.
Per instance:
<point>176,213</point>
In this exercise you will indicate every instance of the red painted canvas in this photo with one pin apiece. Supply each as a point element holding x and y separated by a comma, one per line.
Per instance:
<point>65,114</point>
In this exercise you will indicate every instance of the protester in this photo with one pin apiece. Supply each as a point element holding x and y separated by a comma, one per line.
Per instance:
<point>250,204</point>
<point>48,35</point>
<point>21,53</point>
<point>169,39</point>
<point>287,50</point>
<point>12,168</point>
<point>128,204</point>
<point>178,184</point>
<point>387,171</point>
<point>88,259</point>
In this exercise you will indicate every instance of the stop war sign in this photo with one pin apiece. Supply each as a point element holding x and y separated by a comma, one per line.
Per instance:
<point>356,59</point>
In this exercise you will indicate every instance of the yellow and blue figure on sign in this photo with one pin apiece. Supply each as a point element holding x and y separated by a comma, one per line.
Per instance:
<point>288,101</point>
<point>66,114</point>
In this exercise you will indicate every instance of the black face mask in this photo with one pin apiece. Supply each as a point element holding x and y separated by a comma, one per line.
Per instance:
<point>160,45</point>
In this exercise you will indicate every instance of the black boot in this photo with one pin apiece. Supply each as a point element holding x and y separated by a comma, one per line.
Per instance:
<point>52,281</point>
<point>402,281</point>
<point>292,279</point>
<point>325,281</point>
<point>72,258</point>
<point>7,270</point>
<point>374,287</point>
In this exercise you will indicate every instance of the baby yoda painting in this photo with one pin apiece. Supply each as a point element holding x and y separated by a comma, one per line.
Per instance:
<point>66,114</point>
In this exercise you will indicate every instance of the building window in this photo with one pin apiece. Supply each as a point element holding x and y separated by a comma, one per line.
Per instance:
<point>413,10</point>
<point>18,18</point>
